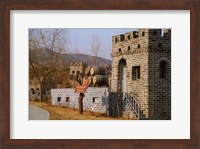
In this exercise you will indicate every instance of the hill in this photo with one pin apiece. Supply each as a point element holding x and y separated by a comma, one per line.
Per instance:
<point>44,55</point>
<point>89,59</point>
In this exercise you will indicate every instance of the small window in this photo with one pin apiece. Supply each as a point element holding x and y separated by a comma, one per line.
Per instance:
<point>59,99</point>
<point>135,34</point>
<point>67,99</point>
<point>139,46</point>
<point>143,33</point>
<point>115,39</point>
<point>135,72</point>
<point>129,48</point>
<point>73,72</point>
<point>120,50</point>
<point>32,91</point>
<point>163,69</point>
<point>160,45</point>
<point>122,37</point>
<point>154,33</point>
<point>129,37</point>
<point>94,99</point>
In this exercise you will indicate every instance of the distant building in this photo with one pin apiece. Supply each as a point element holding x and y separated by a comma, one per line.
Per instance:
<point>34,89</point>
<point>77,67</point>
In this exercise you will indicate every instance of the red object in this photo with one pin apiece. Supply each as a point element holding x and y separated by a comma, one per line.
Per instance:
<point>82,88</point>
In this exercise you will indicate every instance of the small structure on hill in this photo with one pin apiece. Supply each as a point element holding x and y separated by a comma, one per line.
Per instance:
<point>77,67</point>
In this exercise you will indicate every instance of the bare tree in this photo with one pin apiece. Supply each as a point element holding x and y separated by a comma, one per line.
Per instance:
<point>95,46</point>
<point>76,48</point>
<point>45,49</point>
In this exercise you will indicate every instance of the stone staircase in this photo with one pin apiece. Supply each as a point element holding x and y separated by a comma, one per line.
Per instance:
<point>124,105</point>
<point>134,105</point>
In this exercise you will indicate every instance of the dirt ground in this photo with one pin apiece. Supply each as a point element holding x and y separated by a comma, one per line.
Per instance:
<point>63,113</point>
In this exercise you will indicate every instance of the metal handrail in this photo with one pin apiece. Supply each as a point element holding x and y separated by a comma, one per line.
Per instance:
<point>133,103</point>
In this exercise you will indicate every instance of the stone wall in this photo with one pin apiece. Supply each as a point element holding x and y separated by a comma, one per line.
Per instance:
<point>159,88</point>
<point>96,99</point>
<point>139,87</point>
<point>135,51</point>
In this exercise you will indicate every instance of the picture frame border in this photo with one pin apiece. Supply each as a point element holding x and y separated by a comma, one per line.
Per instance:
<point>8,5</point>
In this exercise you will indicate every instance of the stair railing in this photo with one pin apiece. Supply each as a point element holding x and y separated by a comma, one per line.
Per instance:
<point>132,103</point>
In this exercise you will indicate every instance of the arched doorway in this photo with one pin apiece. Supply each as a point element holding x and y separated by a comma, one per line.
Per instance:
<point>122,76</point>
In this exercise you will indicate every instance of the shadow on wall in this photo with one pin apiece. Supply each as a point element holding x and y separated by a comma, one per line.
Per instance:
<point>115,104</point>
<point>105,101</point>
<point>159,87</point>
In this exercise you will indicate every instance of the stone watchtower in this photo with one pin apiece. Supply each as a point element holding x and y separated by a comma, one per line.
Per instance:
<point>141,65</point>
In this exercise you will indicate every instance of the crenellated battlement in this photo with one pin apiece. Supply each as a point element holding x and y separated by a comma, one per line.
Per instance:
<point>159,40</point>
<point>141,41</point>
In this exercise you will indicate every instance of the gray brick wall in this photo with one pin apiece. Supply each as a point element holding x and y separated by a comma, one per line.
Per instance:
<point>99,105</point>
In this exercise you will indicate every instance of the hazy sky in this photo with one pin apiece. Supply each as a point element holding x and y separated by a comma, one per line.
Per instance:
<point>80,40</point>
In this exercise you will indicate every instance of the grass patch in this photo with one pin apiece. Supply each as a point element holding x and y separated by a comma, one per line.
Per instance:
<point>63,113</point>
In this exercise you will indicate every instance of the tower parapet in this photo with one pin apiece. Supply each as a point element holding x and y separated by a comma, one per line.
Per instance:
<point>141,41</point>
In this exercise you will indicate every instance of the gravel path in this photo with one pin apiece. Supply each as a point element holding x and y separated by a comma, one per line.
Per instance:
<point>36,113</point>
